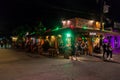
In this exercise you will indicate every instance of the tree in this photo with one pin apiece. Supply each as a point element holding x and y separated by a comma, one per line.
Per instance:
<point>40,29</point>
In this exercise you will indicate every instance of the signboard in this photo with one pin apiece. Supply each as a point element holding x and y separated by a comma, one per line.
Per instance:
<point>117,25</point>
<point>89,24</point>
<point>81,23</point>
<point>92,33</point>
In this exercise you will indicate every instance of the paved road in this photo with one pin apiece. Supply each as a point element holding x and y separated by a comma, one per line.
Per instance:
<point>17,65</point>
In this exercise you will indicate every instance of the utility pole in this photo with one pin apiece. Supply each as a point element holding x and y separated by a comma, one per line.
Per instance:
<point>101,14</point>
<point>101,20</point>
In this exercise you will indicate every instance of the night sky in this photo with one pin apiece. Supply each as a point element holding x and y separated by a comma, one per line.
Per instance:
<point>14,13</point>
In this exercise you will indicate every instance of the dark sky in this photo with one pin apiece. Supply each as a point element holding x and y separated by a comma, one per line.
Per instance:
<point>14,13</point>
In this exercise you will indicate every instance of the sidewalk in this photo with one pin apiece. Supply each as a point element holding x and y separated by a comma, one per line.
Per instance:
<point>95,57</point>
<point>81,58</point>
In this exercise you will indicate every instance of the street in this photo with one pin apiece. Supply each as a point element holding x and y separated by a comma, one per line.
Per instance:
<point>17,65</point>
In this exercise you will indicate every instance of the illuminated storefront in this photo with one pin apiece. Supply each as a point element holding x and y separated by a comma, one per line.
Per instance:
<point>87,31</point>
<point>113,39</point>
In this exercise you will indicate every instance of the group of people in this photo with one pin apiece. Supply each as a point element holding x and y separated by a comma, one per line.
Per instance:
<point>107,51</point>
<point>79,48</point>
<point>82,48</point>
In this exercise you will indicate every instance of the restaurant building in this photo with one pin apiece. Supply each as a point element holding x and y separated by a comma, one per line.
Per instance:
<point>85,31</point>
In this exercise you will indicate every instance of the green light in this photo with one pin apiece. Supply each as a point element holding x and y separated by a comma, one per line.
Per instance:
<point>57,28</point>
<point>68,35</point>
<point>83,38</point>
<point>84,27</point>
<point>44,29</point>
<point>32,33</point>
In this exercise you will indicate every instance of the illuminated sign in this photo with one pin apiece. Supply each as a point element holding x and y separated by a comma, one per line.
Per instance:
<point>92,33</point>
<point>80,23</point>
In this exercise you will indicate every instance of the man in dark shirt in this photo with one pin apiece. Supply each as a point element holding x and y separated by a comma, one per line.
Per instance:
<point>104,50</point>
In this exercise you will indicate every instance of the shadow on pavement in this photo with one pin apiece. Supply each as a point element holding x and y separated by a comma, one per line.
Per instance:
<point>100,57</point>
<point>112,61</point>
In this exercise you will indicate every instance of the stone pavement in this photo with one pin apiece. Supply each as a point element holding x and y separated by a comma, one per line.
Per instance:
<point>21,66</point>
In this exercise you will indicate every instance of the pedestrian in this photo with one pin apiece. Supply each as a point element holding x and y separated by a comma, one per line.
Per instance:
<point>104,50</point>
<point>5,43</point>
<point>86,49</point>
<point>83,48</point>
<point>77,50</point>
<point>109,52</point>
<point>1,43</point>
<point>73,51</point>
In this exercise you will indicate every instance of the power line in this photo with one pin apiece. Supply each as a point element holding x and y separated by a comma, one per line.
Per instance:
<point>70,10</point>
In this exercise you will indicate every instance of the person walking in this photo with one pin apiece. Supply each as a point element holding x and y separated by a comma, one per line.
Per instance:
<point>83,48</point>
<point>109,52</point>
<point>73,46</point>
<point>1,42</point>
<point>86,49</point>
<point>104,50</point>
